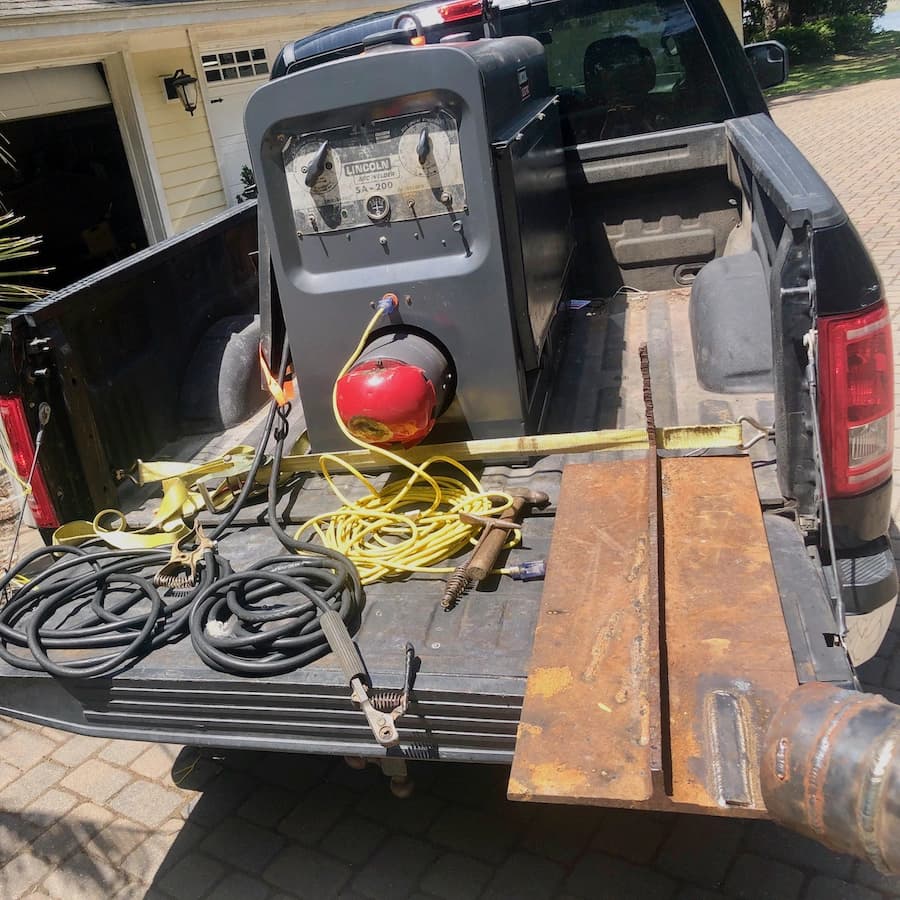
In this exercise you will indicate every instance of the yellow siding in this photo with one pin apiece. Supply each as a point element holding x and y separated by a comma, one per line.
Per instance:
<point>182,144</point>
<point>733,10</point>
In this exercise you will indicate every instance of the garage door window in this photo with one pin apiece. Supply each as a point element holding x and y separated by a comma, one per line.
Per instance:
<point>232,65</point>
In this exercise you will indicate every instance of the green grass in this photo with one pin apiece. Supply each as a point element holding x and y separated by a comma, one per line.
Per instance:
<point>880,60</point>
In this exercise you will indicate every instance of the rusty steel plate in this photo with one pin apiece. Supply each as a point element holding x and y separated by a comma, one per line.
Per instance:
<point>586,728</point>
<point>729,662</point>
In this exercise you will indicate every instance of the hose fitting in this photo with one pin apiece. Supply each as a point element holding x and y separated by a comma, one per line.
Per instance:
<point>387,304</point>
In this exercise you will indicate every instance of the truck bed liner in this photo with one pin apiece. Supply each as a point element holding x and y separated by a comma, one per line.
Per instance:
<point>474,660</point>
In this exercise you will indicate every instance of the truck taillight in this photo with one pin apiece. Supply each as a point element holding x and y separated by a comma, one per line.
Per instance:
<point>12,412</point>
<point>856,400</point>
<point>460,9</point>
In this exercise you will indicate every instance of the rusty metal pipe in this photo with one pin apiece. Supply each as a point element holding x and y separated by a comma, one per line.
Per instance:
<point>831,770</point>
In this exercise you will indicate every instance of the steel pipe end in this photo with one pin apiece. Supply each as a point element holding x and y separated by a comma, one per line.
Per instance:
<point>830,769</point>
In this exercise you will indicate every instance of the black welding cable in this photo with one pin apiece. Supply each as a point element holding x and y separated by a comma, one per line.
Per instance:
<point>262,621</point>
<point>100,600</point>
<point>289,542</point>
<point>258,456</point>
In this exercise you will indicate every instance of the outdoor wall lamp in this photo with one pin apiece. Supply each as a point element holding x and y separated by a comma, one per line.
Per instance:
<point>183,87</point>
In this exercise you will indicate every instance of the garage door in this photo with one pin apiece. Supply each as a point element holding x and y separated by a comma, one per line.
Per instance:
<point>231,75</point>
<point>42,92</point>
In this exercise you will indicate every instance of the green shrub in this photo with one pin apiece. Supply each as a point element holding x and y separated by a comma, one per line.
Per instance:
<point>851,32</point>
<point>871,8</point>
<point>810,42</point>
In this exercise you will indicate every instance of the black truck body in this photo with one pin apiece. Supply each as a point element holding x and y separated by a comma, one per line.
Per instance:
<point>697,223</point>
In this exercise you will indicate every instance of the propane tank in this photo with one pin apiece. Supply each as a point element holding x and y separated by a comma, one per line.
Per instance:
<point>395,390</point>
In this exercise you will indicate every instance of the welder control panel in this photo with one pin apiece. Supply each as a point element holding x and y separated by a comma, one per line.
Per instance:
<point>389,170</point>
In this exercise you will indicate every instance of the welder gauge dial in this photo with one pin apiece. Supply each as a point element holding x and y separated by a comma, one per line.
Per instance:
<point>327,181</point>
<point>424,145</point>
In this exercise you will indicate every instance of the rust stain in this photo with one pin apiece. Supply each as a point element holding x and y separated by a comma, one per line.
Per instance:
<point>548,681</point>
<point>582,690</point>
<point>601,645</point>
<point>725,632</point>
<point>640,560</point>
<point>557,776</point>
<point>527,728</point>
<point>517,790</point>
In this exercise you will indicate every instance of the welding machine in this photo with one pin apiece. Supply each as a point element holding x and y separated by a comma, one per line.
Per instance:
<point>432,176</point>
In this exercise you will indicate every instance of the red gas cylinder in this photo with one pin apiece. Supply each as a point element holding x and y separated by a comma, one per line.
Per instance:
<point>395,390</point>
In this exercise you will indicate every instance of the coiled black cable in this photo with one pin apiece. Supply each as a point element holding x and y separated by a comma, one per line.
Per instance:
<point>263,621</point>
<point>91,600</point>
<point>231,628</point>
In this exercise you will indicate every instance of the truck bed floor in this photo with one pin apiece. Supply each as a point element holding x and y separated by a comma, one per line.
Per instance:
<point>474,660</point>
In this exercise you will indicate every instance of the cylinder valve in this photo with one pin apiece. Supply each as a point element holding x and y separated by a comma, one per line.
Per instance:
<point>395,390</point>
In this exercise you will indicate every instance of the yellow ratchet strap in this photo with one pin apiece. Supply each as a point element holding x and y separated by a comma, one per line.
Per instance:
<point>185,493</point>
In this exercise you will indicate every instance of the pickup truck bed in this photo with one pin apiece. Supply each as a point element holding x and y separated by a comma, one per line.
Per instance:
<point>474,659</point>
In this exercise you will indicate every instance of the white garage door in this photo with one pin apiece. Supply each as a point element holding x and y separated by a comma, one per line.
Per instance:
<point>231,75</point>
<point>42,92</point>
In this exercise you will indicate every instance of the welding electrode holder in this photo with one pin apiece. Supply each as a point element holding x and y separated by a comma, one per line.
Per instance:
<point>495,532</point>
<point>383,724</point>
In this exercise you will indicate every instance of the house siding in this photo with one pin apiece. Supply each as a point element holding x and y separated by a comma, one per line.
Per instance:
<point>178,149</point>
<point>735,16</point>
<point>182,144</point>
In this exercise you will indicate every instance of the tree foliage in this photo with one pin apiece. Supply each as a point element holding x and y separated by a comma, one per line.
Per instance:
<point>13,249</point>
<point>769,15</point>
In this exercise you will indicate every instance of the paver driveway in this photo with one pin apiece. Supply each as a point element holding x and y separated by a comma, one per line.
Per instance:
<point>81,817</point>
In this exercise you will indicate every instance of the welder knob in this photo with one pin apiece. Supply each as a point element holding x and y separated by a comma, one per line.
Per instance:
<point>316,165</point>
<point>395,390</point>
<point>423,146</point>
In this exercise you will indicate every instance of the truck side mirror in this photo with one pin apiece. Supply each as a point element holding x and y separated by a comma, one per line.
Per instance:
<point>769,61</point>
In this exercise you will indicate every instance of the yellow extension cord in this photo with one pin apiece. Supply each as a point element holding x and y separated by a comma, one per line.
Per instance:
<point>408,526</point>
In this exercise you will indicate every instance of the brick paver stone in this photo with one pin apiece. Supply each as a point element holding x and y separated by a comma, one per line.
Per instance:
<point>192,876</point>
<point>526,877</point>
<point>395,868</point>
<point>146,802</point>
<point>456,877</point>
<point>595,872</point>
<point>156,761</point>
<point>824,888</point>
<point>757,878</point>
<point>96,780</point>
<point>235,886</point>
<point>307,873</point>
<point>21,874</point>
<point>77,749</point>
<point>78,827</point>
<point>25,748</point>
<point>84,878</point>
<point>31,785</point>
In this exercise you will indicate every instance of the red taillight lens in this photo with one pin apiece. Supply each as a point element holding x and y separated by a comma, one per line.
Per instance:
<point>12,412</point>
<point>856,400</point>
<point>461,9</point>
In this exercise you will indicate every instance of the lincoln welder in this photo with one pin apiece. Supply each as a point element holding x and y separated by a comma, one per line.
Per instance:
<point>432,175</point>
